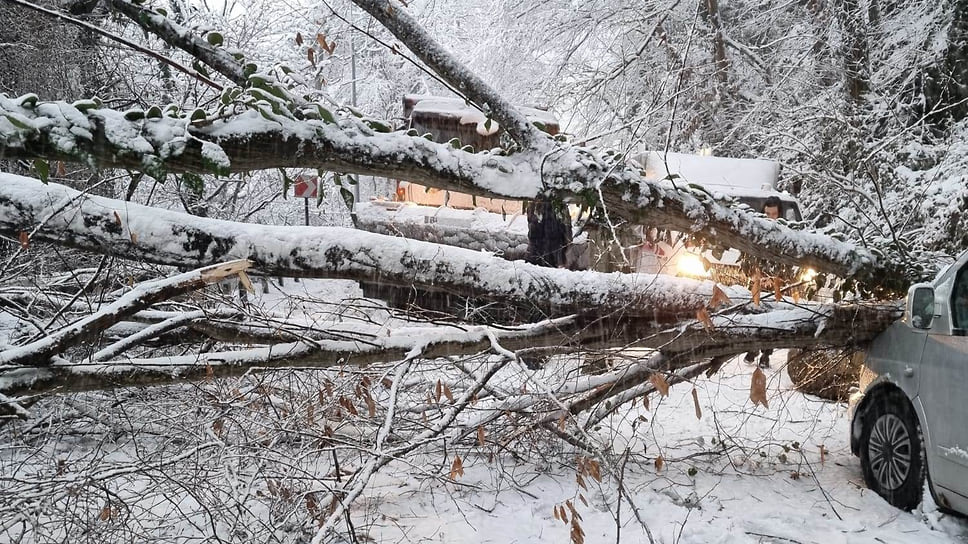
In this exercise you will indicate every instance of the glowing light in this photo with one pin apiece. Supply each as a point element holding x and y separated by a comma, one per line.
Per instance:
<point>691,265</point>
<point>808,274</point>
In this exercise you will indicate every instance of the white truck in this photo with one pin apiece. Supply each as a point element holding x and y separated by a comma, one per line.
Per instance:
<point>748,182</point>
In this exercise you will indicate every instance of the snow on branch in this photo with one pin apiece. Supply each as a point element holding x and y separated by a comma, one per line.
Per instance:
<point>39,352</point>
<point>178,36</point>
<point>131,231</point>
<point>397,344</point>
<point>247,136</point>
<point>394,16</point>
<point>256,139</point>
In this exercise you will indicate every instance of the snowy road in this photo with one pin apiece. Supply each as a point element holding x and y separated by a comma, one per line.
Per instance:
<point>773,486</point>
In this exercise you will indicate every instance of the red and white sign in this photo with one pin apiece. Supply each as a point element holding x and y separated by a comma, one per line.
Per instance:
<point>306,187</point>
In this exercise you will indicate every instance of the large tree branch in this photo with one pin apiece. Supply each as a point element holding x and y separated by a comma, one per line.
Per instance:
<point>182,38</point>
<point>781,325</point>
<point>251,141</point>
<point>427,343</point>
<point>131,231</point>
<point>394,16</point>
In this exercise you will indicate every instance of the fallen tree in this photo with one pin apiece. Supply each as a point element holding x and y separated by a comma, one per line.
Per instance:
<point>263,125</point>
<point>380,390</point>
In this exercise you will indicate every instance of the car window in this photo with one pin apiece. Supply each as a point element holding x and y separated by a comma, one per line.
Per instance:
<point>959,300</point>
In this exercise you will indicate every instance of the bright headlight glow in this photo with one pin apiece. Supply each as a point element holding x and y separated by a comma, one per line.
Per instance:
<point>808,274</point>
<point>690,264</point>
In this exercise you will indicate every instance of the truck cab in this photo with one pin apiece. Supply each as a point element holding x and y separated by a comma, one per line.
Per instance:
<point>742,182</point>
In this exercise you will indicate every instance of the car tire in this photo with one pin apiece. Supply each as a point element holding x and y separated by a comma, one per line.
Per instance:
<point>892,453</point>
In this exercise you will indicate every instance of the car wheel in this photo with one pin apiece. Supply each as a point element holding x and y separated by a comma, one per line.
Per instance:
<point>891,452</point>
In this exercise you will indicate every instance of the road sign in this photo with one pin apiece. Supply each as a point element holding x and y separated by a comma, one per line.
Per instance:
<point>306,187</point>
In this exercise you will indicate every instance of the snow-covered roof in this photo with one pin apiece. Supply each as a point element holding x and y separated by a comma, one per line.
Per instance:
<point>750,177</point>
<point>466,114</point>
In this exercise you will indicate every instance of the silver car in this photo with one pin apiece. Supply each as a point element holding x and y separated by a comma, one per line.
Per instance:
<point>910,416</point>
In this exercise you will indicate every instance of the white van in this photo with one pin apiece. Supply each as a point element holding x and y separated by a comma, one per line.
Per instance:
<point>909,415</point>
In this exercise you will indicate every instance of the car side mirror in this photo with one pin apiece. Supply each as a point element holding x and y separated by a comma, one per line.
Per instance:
<point>920,306</point>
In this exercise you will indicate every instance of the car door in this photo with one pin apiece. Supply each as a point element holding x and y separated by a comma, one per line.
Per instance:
<point>944,388</point>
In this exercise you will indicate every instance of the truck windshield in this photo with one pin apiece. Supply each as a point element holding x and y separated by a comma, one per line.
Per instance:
<point>789,209</point>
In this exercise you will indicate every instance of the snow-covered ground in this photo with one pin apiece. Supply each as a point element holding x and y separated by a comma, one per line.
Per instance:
<point>734,472</point>
<point>774,485</point>
<point>739,473</point>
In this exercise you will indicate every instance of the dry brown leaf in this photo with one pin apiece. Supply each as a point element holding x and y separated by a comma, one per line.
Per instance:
<point>580,480</point>
<point>594,469</point>
<point>311,55</point>
<point>117,217</point>
<point>562,515</point>
<point>574,513</point>
<point>695,402</point>
<point>218,426</point>
<point>310,414</point>
<point>660,383</point>
<point>134,238</point>
<point>659,462</point>
<point>24,240</point>
<point>823,454</point>
<point>438,391</point>
<point>370,405</point>
<point>448,394</point>
<point>719,298</point>
<point>105,513</point>
<point>348,404</point>
<point>329,47</point>
<point>755,289</point>
<point>299,39</point>
<point>61,169</point>
<point>577,534</point>
<point>555,510</point>
<point>582,499</point>
<point>480,435</point>
<point>703,317</point>
<point>795,293</point>
<point>645,401</point>
<point>457,468</point>
<point>758,388</point>
<point>777,289</point>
